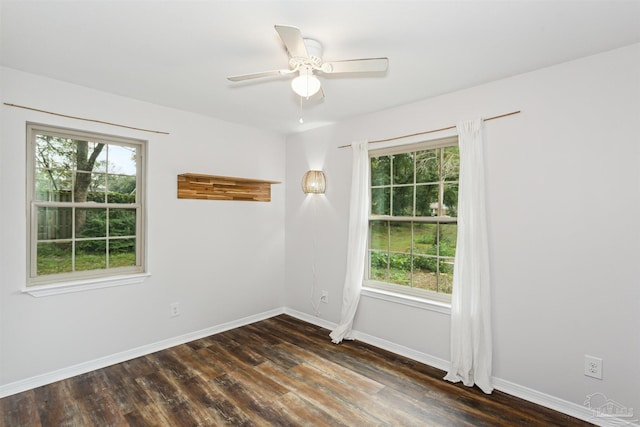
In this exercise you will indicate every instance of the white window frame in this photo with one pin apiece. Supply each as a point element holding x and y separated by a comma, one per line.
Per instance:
<point>52,284</point>
<point>423,298</point>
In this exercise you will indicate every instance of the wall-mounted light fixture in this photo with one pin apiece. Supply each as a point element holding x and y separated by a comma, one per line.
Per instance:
<point>314,182</point>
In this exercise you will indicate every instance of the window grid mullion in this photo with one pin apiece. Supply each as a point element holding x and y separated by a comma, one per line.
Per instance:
<point>391,185</point>
<point>73,239</point>
<point>438,220</point>
<point>64,149</point>
<point>414,202</point>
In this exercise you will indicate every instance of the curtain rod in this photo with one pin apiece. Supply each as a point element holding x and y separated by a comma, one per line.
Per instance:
<point>82,118</point>
<point>432,131</point>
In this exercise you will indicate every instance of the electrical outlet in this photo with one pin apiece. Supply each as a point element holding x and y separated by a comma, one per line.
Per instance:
<point>593,366</point>
<point>175,309</point>
<point>324,297</point>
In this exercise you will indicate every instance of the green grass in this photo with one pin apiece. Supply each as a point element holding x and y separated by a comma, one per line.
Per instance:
<point>61,262</point>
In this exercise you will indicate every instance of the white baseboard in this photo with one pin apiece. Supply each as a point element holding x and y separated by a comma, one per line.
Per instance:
<point>569,408</point>
<point>82,368</point>
<point>314,320</point>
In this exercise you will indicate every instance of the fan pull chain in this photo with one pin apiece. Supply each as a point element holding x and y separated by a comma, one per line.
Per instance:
<point>301,120</point>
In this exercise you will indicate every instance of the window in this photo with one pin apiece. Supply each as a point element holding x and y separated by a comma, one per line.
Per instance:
<point>86,205</point>
<point>412,221</point>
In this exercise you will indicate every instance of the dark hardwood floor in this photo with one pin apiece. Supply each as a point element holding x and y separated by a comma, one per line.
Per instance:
<point>279,371</point>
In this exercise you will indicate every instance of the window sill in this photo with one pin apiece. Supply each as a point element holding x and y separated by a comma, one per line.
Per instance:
<point>439,307</point>
<point>85,285</point>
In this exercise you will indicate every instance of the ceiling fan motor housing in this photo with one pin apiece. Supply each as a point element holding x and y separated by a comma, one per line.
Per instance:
<point>314,60</point>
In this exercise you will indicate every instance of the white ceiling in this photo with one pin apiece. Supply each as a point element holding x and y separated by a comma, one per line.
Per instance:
<point>179,53</point>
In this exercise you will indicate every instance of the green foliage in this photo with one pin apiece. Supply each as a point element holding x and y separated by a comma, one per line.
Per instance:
<point>380,170</point>
<point>382,260</point>
<point>403,168</point>
<point>432,174</point>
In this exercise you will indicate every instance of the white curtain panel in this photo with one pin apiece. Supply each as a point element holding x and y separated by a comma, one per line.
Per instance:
<point>471,345</point>
<point>357,241</point>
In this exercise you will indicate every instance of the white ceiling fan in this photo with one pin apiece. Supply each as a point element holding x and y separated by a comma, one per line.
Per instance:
<point>305,58</point>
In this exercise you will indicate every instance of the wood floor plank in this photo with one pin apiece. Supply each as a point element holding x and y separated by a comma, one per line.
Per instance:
<point>336,371</point>
<point>303,412</point>
<point>19,410</point>
<point>215,402</point>
<point>123,388</point>
<point>279,371</point>
<point>196,362</point>
<point>98,407</point>
<point>57,407</point>
<point>250,400</point>
<point>170,399</point>
<point>329,403</point>
<point>366,402</point>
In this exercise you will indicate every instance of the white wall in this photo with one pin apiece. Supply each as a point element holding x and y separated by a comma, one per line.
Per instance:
<point>221,260</point>
<point>563,202</point>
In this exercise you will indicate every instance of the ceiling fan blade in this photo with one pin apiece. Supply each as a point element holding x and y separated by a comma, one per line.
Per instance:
<point>356,65</point>
<point>292,39</point>
<point>259,75</point>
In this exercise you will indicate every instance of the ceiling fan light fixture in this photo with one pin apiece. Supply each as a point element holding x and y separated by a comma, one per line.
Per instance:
<point>306,84</point>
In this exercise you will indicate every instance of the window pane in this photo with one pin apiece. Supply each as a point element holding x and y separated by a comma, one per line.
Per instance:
<point>100,164</point>
<point>122,189</point>
<point>122,253</point>
<point>425,272</point>
<point>122,222</point>
<point>90,187</point>
<point>53,185</point>
<point>54,257</point>
<point>54,153</point>
<point>451,163</point>
<point>379,238</point>
<point>427,166</point>
<point>445,279</point>
<point>425,239</point>
<point>54,223</point>
<point>90,179</point>
<point>427,200</point>
<point>380,170</point>
<point>91,255</point>
<point>380,201</point>
<point>400,269</point>
<point>400,237</point>
<point>403,168</point>
<point>91,222</point>
<point>90,156</point>
<point>450,199</point>
<point>448,239</point>
<point>122,160</point>
<point>403,201</point>
<point>379,265</point>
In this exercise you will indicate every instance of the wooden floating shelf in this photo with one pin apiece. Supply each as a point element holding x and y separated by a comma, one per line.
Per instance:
<point>212,187</point>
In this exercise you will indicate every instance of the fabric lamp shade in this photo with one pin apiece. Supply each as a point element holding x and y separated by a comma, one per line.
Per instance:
<point>314,182</point>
